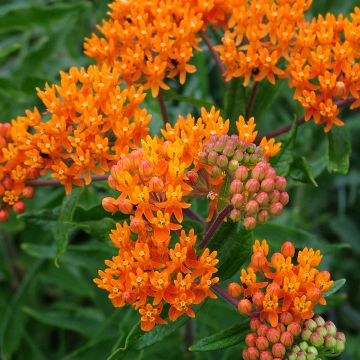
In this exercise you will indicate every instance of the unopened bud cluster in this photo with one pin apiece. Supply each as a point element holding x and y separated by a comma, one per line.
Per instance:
<point>256,192</point>
<point>320,338</point>
<point>312,339</point>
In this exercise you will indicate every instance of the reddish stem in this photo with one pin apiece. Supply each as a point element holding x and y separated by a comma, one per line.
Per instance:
<point>163,108</point>
<point>58,183</point>
<point>225,295</point>
<point>300,121</point>
<point>215,225</point>
<point>251,101</point>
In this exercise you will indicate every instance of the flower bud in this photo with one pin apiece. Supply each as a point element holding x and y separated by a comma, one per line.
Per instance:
<point>340,346</point>
<point>273,289</point>
<point>305,334</point>
<point>251,208</point>
<point>241,173</point>
<point>273,335</point>
<point>313,294</point>
<point>280,183</point>
<point>212,157</point>
<point>294,328</point>
<point>235,215</point>
<point>329,341</point>
<point>262,330</point>
<point>109,205</point>
<point>316,339</point>
<point>330,328</point>
<point>255,323</point>
<point>19,207</point>
<point>233,165</point>
<point>340,336</point>
<point>253,353</point>
<point>292,356</point>
<point>192,176</point>
<point>4,215</point>
<point>278,350</point>
<point>259,171</point>
<point>146,169</point>
<point>244,306</point>
<point>310,324</point>
<point>252,186</point>
<point>274,196</point>
<point>286,318</point>
<point>303,345</point>
<point>276,209</point>
<point>238,155</point>
<point>281,327</point>
<point>258,260</point>
<point>122,164</point>
<point>245,354</point>
<point>249,223</point>
<point>295,349</point>
<point>284,198</point>
<point>301,355</point>
<point>266,355</point>
<point>203,157</point>
<point>229,150</point>
<point>234,289</point>
<point>313,350</point>
<point>222,161</point>
<point>236,186</point>
<point>340,89</point>
<point>263,216</point>
<point>8,183</point>
<point>250,339</point>
<point>258,298</point>
<point>237,201</point>
<point>262,343</point>
<point>288,249</point>
<point>319,320</point>
<point>276,257</point>
<point>220,145</point>
<point>267,185</point>
<point>216,171</point>
<point>125,206</point>
<point>287,338</point>
<point>33,173</point>
<point>137,225</point>
<point>262,198</point>
<point>156,184</point>
<point>310,355</point>
<point>270,173</point>
<point>28,192</point>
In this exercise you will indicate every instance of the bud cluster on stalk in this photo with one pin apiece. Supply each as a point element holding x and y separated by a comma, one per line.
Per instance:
<point>255,191</point>
<point>320,338</point>
<point>312,339</point>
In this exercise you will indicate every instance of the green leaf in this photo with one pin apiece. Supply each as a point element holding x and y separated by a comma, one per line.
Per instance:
<point>337,285</point>
<point>25,17</point>
<point>233,244</point>
<point>283,161</point>
<point>301,171</point>
<point>223,339</point>
<point>235,102</point>
<point>338,150</point>
<point>99,229</point>
<point>173,95</point>
<point>63,225</point>
<point>9,50</point>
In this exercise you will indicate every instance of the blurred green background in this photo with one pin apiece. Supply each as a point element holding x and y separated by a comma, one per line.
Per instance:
<point>49,312</point>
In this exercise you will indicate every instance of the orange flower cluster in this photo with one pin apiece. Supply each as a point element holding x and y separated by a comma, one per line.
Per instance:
<point>268,39</point>
<point>149,41</point>
<point>280,285</point>
<point>154,182</point>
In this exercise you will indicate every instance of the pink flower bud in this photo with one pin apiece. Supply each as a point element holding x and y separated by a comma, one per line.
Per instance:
<point>245,354</point>
<point>241,173</point>
<point>262,343</point>
<point>288,249</point>
<point>284,198</point>
<point>316,339</point>
<point>33,173</point>
<point>266,355</point>
<point>233,165</point>
<point>273,289</point>
<point>229,150</point>
<point>252,186</point>
<point>258,298</point>
<point>314,294</point>
<point>263,216</point>
<point>330,328</point>
<point>238,155</point>
<point>137,225</point>
<point>109,205</point>
<point>4,215</point>
<point>250,339</point>
<point>294,328</point>
<point>276,209</point>
<point>249,223</point>
<point>156,184</point>
<point>287,338</point>
<point>125,206</point>
<point>321,330</point>
<point>286,318</point>
<point>340,346</point>
<point>329,341</point>
<point>281,327</point>
<point>254,323</point>
<point>216,171</point>
<point>122,164</point>
<point>19,207</point>
<point>280,183</point>
<point>203,157</point>
<point>234,289</point>
<point>270,173</point>
<point>276,257</point>
<point>274,196</point>
<point>262,330</point>
<point>237,201</point>
<point>253,353</point>
<point>319,320</point>
<point>236,186</point>
<point>340,336</point>
<point>212,157</point>
<point>310,324</point>
<point>244,306</point>
<point>252,207</point>
<point>7,183</point>
<point>267,185</point>
<point>28,192</point>
<point>305,334</point>
<point>278,350</point>
<point>235,215</point>
<point>193,177</point>
<point>258,260</point>
<point>259,171</point>
<point>273,335</point>
<point>222,161</point>
<point>262,198</point>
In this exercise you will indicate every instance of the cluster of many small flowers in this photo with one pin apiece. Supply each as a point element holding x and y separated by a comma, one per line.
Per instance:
<point>13,176</point>
<point>88,122</point>
<point>149,41</point>
<point>311,339</point>
<point>280,285</point>
<point>268,39</point>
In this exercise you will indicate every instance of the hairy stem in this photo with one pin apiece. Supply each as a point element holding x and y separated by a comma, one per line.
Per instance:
<point>215,225</point>
<point>58,183</point>
<point>163,108</point>
<point>251,102</point>
<point>194,216</point>
<point>225,295</point>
